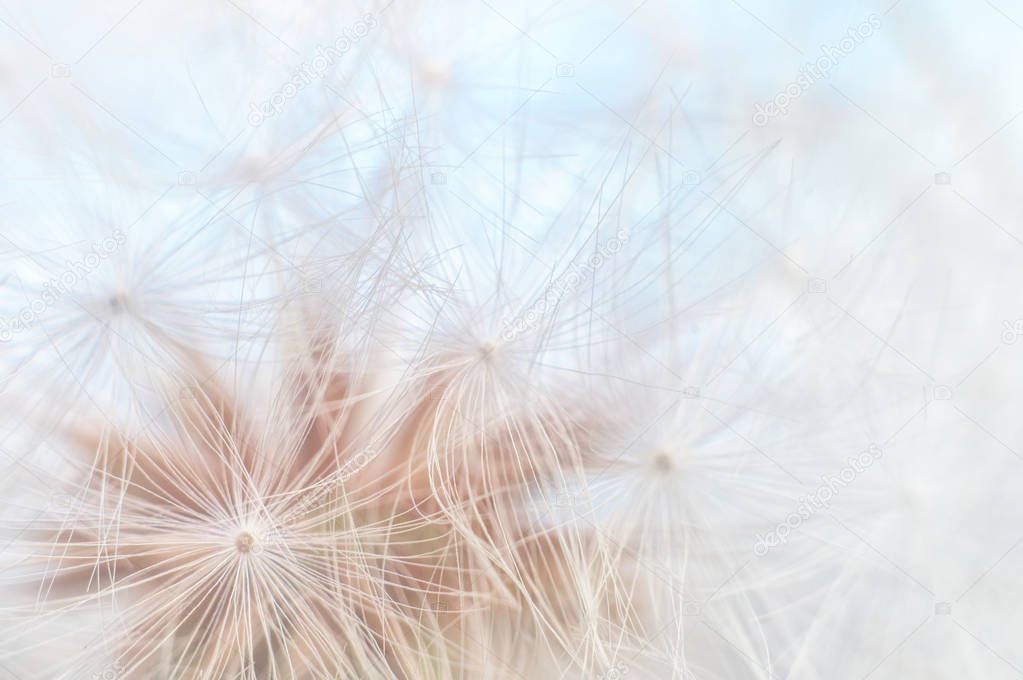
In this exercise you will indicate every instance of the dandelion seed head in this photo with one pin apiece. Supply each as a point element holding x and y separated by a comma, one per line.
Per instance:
<point>486,349</point>
<point>664,461</point>
<point>483,351</point>
<point>119,301</point>
<point>437,73</point>
<point>244,542</point>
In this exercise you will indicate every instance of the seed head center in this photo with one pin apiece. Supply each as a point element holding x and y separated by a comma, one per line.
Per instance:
<point>244,542</point>
<point>663,462</point>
